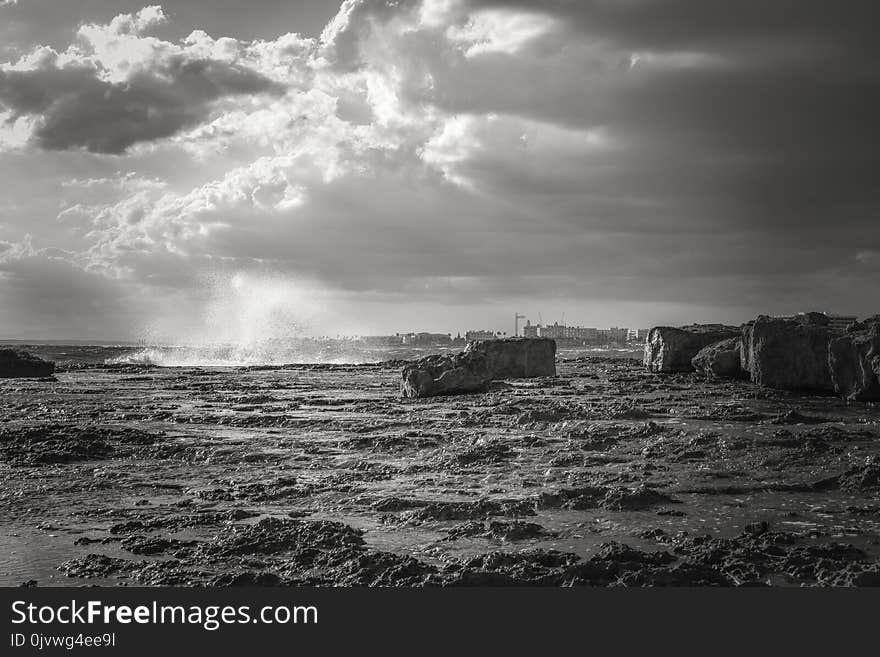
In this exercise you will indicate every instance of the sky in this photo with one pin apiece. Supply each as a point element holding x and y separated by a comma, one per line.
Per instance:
<point>250,168</point>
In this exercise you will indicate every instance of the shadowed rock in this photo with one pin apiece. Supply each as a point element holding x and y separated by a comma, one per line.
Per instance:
<point>788,354</point>
<point>854,361</point>
<point>15,363</point>
<point>480,363</point>
<point>721,360</point>
<point>670,349</point>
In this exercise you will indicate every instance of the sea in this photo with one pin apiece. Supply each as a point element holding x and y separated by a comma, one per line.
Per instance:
<point>274,353</point>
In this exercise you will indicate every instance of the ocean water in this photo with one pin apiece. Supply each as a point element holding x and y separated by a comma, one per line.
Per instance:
<point>304,351</point>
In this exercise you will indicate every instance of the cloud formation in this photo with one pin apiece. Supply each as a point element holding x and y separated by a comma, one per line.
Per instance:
<point>119,88</point>
<point>639,160</point>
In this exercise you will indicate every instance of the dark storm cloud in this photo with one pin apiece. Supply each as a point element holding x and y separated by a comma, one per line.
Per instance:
<point>708,23</point>
<point>52,294</point>
<point>761,112</point>
<point>793,79</point>
<point>75,108</point>
<point>741,116</point>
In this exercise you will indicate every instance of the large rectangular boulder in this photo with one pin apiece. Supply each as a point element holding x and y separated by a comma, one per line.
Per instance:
<point>854,361</point>
<point>516,358</point>
<point>481,362</point>
<point>669,349</point>
<point>15,363</point>
<point>788,354</point>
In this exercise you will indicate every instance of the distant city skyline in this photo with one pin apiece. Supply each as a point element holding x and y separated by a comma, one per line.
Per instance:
<point>838,321</point>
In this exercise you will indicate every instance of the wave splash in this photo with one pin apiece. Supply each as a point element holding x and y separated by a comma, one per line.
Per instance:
<point>251,319</point>
<point>248,355</point>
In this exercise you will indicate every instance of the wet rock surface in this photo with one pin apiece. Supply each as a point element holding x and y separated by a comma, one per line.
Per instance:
<point>56,443</point>
<point>445,375</point>
<point>15,363</point>
<point>604,475</point>
<point>854,361</point>
<point>516,358</point>
<point>788,354</point>
<point>482,362</point>
<point>721,360</point>
<point>669,349</point>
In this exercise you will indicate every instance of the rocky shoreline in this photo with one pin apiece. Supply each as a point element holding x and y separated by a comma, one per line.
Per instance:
<point>601,474</point>
<point>801,353</point>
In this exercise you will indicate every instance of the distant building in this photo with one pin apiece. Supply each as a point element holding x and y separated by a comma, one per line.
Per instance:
<point>554,332</point>
<point>585,334</point>
<point>381,340</point>
<point>614,334</point>
<point>531,330</point>
<point>427,339</point>
<point>479,335</point>
<point>582,334</point>
<point>836,323</point>
<point>638,335</point>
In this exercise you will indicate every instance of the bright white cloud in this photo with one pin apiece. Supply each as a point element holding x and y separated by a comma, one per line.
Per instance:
<point>498,31</point>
